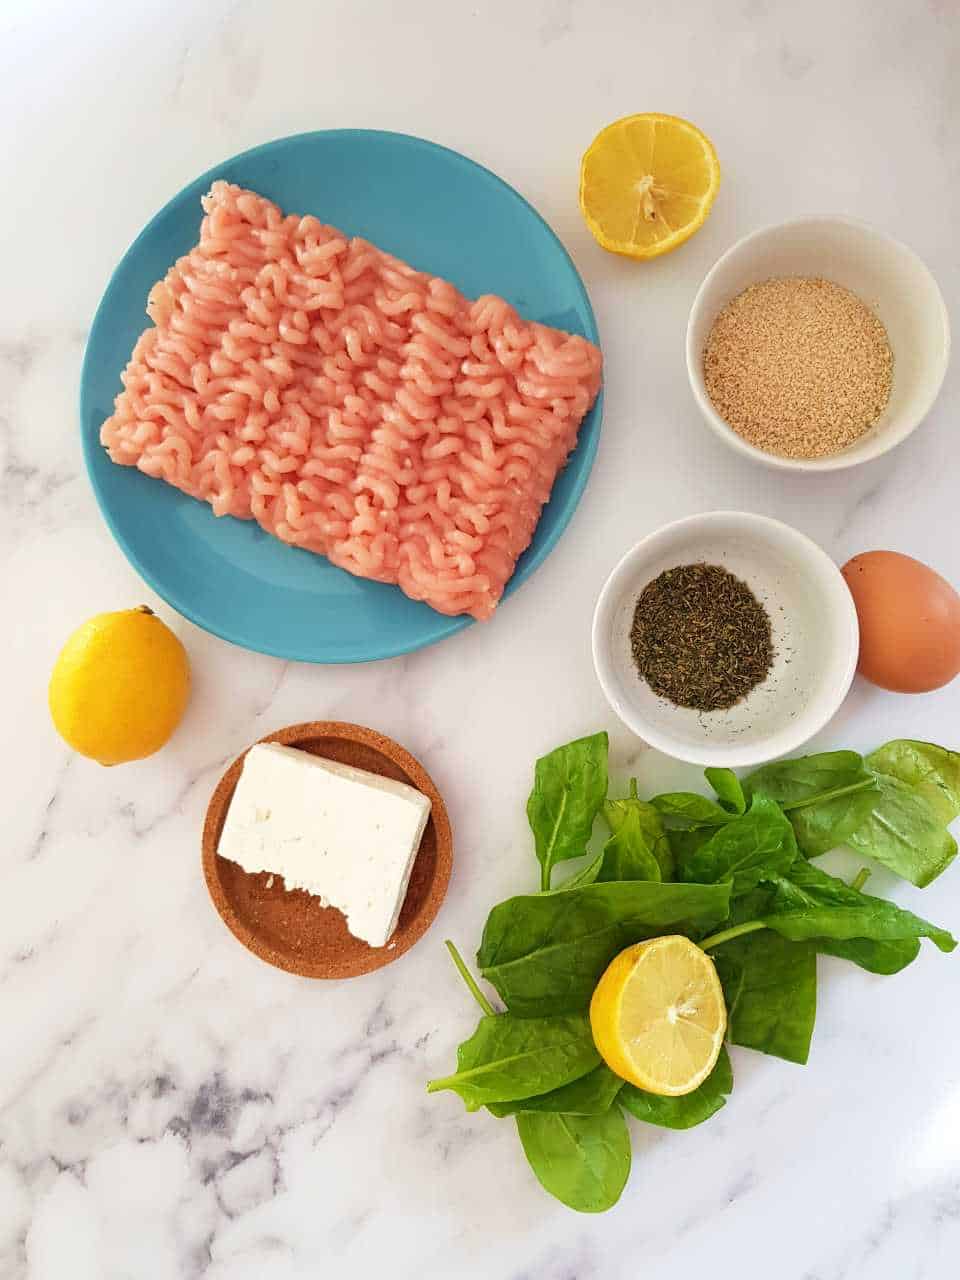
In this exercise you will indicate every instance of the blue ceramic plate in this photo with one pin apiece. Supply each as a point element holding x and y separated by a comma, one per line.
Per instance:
<point>432,207</point>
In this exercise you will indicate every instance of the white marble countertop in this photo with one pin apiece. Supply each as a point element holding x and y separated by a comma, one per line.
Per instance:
<point>169,1106</point>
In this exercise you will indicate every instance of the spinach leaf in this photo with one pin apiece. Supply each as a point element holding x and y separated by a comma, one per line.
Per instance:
<point>746,850</point>
<point>905,832</point>
<point>688,1110</point>
<point>808,903</point>
<point>582,1160</point>
<point>684,810</point>
<point>591,1095</point>
<point>826,796</point>
<point>569,787</point>
<point>638,836</point>
<point>827,824</point>
<point>808,778</point>
<point>684,844</point>
<point>727,786</point>
<point>508,1058</point>
<point>770,989</point>
<point>875,957</point>
<point>546,953</point>
<point>586,875</point>
<point>627,856</point>
<point>933,772</point>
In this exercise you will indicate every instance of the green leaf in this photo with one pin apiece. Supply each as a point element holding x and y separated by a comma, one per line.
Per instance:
<point>790,782</point>
<point>686,1111</point>
<point>826,796</point>
<point>770,988</point>
<point>582,1160</point>
<point>904,832</point>
<point>586,875</point>
<point>545,953</point>
<point>638,837</point>
<point>569,787</point>
<point>827,824</point>
<point>727,786</point>
<point>684,844</point>
<point>746,850</point>
<point>627,856</point>
<point>933,772</point>
<point>808,903</point>
<point>508,1058</point>
<point>591,1095</point>
<point>875,957</point>
<point>684,810</point>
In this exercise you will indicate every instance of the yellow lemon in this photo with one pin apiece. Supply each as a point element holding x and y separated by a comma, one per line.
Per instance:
<point>647,183</point>
<point>120,686</point>
<point>658,1016</point>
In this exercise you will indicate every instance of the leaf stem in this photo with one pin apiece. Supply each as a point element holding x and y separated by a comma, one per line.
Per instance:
<point>860,879</point>
<point>868,784</point>
<point>470,980</point>
<point>735,931</point>
<point>546,869</point>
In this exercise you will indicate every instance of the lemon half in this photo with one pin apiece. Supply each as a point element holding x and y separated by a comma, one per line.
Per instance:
<point>120,686</point>
<point>647,183</point>
<point>658,1016</point>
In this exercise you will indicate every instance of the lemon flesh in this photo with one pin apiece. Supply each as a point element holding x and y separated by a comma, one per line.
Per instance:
<point>647,183</point>
<point>658,1015</point>
<point>120,686</point>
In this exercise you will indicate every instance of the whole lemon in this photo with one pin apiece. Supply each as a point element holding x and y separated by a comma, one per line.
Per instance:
<point>120,686</point>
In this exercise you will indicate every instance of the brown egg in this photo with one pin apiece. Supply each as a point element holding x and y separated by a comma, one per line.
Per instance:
<point>909,622</point>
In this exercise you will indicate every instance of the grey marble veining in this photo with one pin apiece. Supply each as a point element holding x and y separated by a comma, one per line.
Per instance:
<point>170,1107</point>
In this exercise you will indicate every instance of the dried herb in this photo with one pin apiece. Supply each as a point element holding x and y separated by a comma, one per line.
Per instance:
<point>700,637</point>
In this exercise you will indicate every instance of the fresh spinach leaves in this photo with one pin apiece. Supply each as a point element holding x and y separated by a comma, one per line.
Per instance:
<point>582,1160</point>
<point>809,903</point>
<point>809,779</point>
<point>727,786</point>
<point>586,875</point>
<point>770,989</point>
<point>826,796</point>
<point>732,873</point>
<point>569,786</point>
<point>509,1057</point>
<point>894,806</point>
<point>904,832</point>
<point>933,772</point>
<point>638,840</point>
<point>876,957</point>
<point>688,1110</point>
<point>627,856</point>
<point>545,953</point>
<point>686,810</point>
<point>591,1095</point>
<point>745,851</point>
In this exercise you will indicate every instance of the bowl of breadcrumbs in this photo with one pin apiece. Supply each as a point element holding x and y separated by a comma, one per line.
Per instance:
<point>817,344</point>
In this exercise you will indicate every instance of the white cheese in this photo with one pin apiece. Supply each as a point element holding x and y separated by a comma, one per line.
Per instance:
<point>347,836</point>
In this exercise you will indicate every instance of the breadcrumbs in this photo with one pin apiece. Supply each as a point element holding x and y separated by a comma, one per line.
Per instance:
<point>798,367</point>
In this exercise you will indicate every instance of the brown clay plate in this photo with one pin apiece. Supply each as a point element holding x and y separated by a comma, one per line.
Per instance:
<point>290,929</point>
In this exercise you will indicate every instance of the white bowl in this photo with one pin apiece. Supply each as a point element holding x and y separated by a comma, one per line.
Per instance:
<point>884,273</point>
<point>815,639</point>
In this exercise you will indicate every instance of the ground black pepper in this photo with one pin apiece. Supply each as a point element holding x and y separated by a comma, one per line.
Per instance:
<point>700,637</point>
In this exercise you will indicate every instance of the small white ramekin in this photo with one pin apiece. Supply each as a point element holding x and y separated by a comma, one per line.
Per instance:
<point>884,273</point>
<point>813,623</point>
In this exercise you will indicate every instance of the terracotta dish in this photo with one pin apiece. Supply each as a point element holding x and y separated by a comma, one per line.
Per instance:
<point>290,929</point>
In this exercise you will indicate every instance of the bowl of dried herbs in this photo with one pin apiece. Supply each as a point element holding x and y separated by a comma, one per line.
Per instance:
<point>725,638</point>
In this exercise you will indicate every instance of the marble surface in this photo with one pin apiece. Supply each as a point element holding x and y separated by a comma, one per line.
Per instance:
<point>171,1107</point>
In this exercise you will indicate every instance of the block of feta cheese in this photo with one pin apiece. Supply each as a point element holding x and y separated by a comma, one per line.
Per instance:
<point>345,835</point>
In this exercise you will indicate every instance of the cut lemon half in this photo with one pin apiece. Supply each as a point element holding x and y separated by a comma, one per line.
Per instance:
<point>658,1016</point>
<point>647,183</point>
